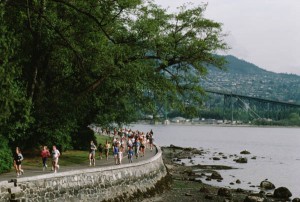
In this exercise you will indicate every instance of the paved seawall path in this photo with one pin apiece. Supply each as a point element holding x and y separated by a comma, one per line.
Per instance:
<point>38,171</point>
<point>104,182</point>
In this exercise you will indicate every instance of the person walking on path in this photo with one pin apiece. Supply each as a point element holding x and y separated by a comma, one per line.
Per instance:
<point>116,153</point>
<point>151,141</point>
<point>55,156</point>
<point>137,147</point>
<point>106,149</point>
<point>92,154</point>
<point>45,154</point>
<point>130,154</point>
<point>147,140</point>
<point>120,154</point>
<point>18,158</point>
<point>143,146</point>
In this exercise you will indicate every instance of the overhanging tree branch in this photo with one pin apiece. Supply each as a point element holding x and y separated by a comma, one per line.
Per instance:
<point>94,18</point>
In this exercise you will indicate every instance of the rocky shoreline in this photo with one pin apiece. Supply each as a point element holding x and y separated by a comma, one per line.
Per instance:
<point>188,181</point>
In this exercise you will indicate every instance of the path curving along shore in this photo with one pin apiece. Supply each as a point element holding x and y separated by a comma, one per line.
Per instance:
<point>103,182</point>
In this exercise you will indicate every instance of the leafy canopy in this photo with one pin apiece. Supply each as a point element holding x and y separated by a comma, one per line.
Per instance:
<point>71,63</point>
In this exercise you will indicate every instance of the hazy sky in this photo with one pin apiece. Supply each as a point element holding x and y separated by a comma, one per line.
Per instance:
<point>263,32</point>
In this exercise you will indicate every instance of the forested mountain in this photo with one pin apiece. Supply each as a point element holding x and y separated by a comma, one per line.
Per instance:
<point>246,78</point>
<point>239,66</point>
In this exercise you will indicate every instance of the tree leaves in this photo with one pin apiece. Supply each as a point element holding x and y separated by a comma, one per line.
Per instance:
<point>104,61</point>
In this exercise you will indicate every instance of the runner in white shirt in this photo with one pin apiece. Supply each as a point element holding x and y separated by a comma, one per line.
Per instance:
<point>55,155</point>
<point>92,154</point>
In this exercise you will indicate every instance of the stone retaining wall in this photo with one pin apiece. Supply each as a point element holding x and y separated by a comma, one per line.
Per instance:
<point>119,182</point>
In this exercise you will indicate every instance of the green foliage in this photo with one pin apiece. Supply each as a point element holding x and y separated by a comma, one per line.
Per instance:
<point>15,108</point>
<point>5,155</point>
<point>82,139</point>
<point>212,114</point>
<point>101,139</point>
<point>292,120</point>
<point>78,62</point>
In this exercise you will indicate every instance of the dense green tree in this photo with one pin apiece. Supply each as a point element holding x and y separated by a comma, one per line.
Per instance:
<point>105,61</point>
<point>14,106</point>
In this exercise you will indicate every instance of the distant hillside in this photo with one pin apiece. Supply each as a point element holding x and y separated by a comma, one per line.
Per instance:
<point>248,79</point>
<point>239,66</point>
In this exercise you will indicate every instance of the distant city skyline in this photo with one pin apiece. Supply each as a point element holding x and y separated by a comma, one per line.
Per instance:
<point>263,32</point>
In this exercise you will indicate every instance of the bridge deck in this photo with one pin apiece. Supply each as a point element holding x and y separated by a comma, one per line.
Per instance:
<point>253,98</point>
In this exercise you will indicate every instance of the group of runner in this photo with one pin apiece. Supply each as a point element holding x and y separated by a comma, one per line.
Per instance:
<point>124,141</point>
<point>45,154</point>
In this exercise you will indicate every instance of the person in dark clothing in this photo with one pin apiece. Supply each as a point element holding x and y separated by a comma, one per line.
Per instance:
<point>45,154</point>
<point>18,158</point>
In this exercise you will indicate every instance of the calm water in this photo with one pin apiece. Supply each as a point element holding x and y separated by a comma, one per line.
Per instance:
<point>277,151</point>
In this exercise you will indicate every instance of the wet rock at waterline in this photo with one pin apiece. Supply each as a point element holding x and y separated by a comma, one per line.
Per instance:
<point>224,192</point>
<point>282,193</point>
<point>241,160</point>
<point>266,185</point>
<point>177,159</point>
<point>245,152</point>
<point>198,180</point>
<point>216,158</point>
<point>216,176</point>
<point>255,199</point>
<point>239,190</point>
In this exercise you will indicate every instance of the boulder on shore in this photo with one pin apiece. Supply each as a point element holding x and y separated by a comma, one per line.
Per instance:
<point>245,152</point>
<point>296,200</point>
<point>267,185</point>
<point>239,190</point>
<point>241,160</point>
<point>224,192</point>
<point>282,192</point>
<point>216,176</point>
<point>255,199</point>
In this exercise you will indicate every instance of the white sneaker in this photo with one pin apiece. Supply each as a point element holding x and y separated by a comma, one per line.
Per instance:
<point>22,172</point>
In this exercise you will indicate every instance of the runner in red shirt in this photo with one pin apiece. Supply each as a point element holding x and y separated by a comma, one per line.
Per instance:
<point>45,154</point>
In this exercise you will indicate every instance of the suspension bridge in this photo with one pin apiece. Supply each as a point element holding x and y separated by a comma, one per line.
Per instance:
<point>247,108</point>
